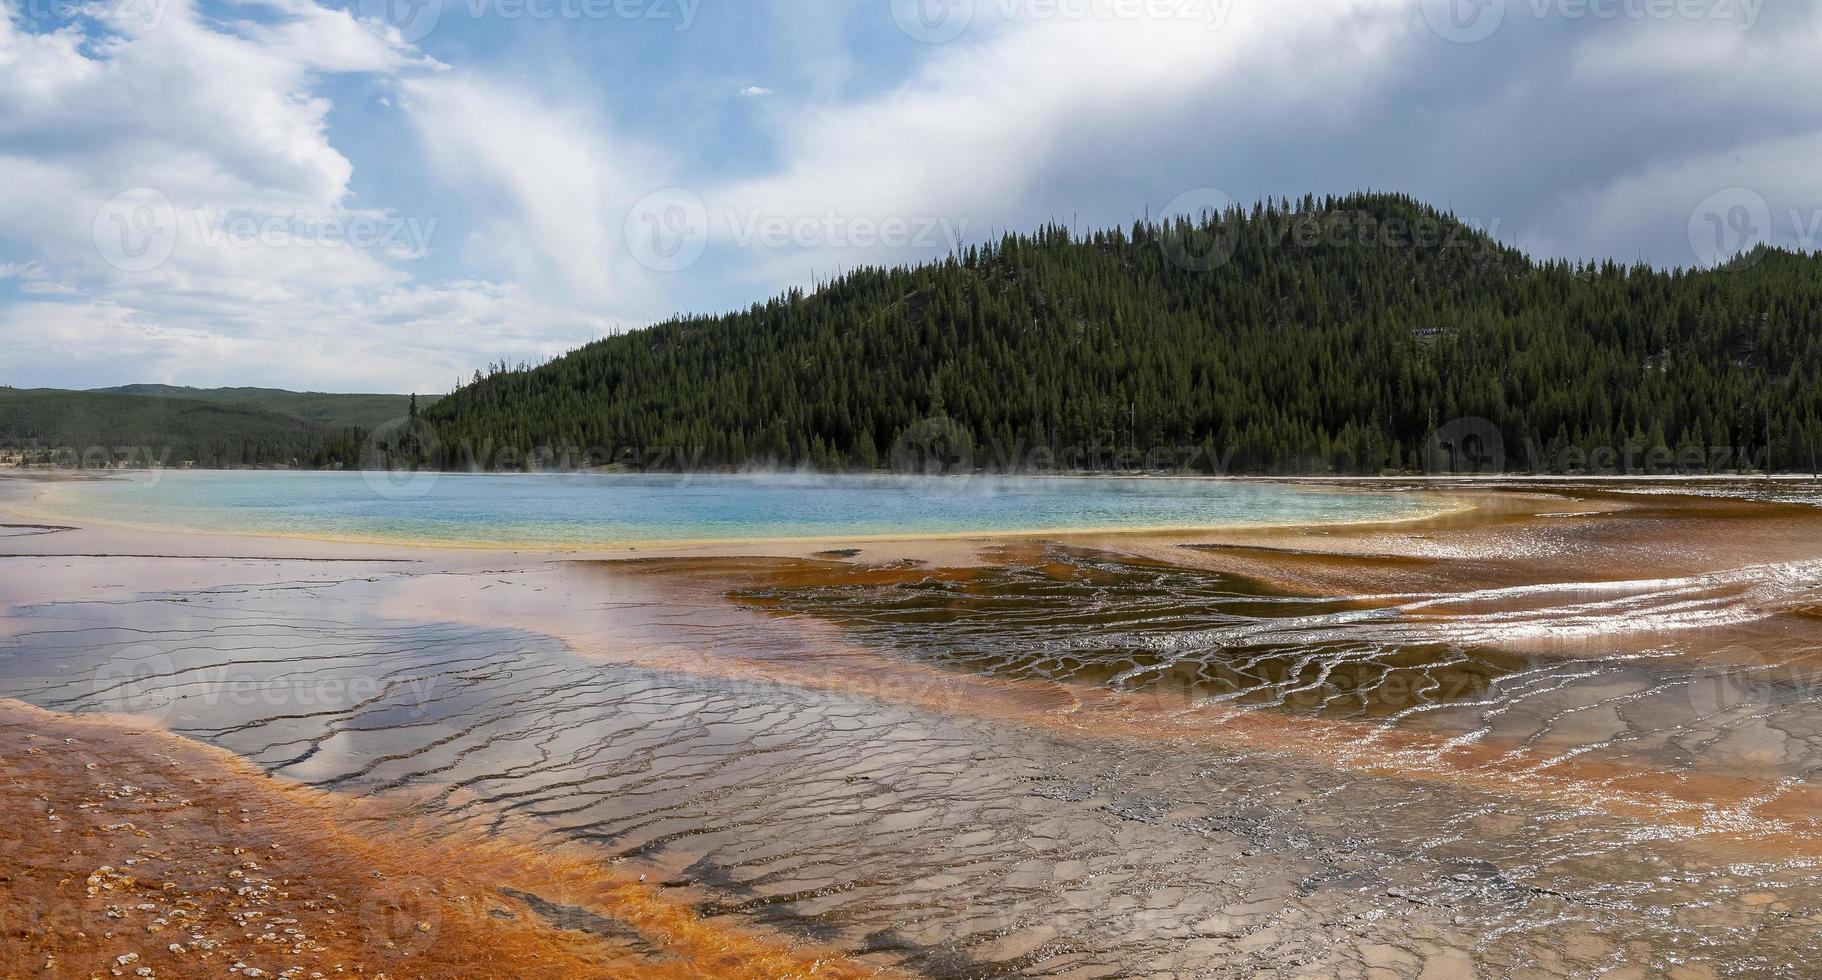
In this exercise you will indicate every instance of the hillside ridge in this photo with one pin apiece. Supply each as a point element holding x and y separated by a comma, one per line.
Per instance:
<point>1334,335</point>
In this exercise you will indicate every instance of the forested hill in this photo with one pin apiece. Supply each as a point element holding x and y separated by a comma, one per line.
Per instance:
<point>1331,335</point>
<point>337,411</point>
<point>161,425</point>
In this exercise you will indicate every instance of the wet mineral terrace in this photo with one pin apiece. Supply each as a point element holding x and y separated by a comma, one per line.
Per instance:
<point>1573,743</point>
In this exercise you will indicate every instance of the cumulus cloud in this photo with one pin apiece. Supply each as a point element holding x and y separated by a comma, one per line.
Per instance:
<point>551,185</point>
<point>526,214</point>
<point>1571,135</point>
<point>990,128</point>
<point>422,338</point>
<point>205,114</point>
<point>175,181</point>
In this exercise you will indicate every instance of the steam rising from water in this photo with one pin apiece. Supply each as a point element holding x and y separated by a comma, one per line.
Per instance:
<point>598,510</point>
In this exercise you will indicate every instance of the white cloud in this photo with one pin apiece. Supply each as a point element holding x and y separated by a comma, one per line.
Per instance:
<point>1574,136</point>
<point>215,122</point>
<point>1579,137</point>
<point>271,274</point>
<point>1680,201</point>
<point>552,186</point>
<point>972,135</point>
<point>420,338</point>
<point>206,115</point>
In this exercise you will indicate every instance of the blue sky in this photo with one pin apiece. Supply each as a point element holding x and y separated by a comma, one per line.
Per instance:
<point>388,195</point>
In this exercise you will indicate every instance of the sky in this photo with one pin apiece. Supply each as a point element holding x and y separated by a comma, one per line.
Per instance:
<point>390,194</point>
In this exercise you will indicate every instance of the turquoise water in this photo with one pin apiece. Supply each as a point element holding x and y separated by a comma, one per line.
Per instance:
<point>596,509</point>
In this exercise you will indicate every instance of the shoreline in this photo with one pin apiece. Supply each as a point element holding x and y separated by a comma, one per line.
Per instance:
<point>1454,504</point>
<point>69,473</point>
<point>1444,505</point>
<point>1441,505</point>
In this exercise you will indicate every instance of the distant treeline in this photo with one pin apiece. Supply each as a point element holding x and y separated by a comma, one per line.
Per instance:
<point>1344,335</point>
<point>158,425</point>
